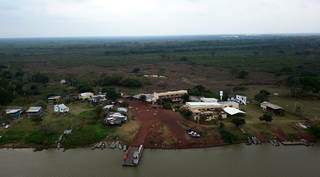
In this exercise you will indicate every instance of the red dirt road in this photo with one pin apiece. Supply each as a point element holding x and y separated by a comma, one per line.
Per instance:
<point>148,116</point>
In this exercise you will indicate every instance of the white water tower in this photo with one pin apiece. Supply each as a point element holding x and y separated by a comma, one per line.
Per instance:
<point>221,95</point>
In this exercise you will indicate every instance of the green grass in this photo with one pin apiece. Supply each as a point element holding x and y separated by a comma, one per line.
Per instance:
<point>86,129</point>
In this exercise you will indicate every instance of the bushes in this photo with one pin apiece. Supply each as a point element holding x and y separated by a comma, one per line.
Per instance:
<point>111,93</point>
<point>262,96</point>
<point>266,117</point>
<point>315,131</point>
<point>227,136</point>
<point>40,78</point>
<point>238,121</point>
<point>116,80</point>
<point>42,137</point>
<point>200,90</point>
<point>86,135</point>
<point>186,113</point>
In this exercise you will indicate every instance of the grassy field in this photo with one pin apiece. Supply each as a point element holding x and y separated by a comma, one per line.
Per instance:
<point>86,129</point>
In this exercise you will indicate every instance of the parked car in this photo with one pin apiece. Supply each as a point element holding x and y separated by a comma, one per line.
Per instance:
<point>193,133</point>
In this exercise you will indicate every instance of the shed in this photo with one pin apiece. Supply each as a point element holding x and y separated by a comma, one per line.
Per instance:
<point>122,110</point>
<point>35,112</point>
<point>267,106</point>
<point>54,99</point>
<point>14,112</point>
<point>61,108</point>
<point>115,119</point>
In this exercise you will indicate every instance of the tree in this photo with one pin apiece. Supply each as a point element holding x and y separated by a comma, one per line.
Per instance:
<point>238,121</point>
<point>136,70</point>
<point>267,117</point>
<point>166,103</point>
<point>131,83</point>
<point>243,75</point>
<point>40,78</point>
<point>111,93</point>
<point>200,90</point>
<point>185,98</point>
<point>186,113</point>
<point>262,96</point>
<point>99,112</point>
<point>5,96</point>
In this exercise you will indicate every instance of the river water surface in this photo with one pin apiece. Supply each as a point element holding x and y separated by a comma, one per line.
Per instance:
<point>230,161</point>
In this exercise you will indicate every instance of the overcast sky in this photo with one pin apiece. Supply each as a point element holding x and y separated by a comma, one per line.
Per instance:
<point>53,18</point>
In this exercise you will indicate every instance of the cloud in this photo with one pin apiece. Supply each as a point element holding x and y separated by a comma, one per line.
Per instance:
<point>156,17</point>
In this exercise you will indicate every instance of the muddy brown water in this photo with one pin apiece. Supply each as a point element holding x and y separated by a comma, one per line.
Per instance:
<point>229,161</point>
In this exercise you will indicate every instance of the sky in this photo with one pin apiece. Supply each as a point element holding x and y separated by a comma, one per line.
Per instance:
<point>74,18</point>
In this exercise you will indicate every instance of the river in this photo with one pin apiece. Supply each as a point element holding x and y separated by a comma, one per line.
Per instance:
<point>229,161</point>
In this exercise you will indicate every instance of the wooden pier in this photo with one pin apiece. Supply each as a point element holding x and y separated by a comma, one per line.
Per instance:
<point>132,156</point>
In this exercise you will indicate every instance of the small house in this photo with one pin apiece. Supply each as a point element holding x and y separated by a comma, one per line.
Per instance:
<point>122,110</point>
<point>115,119</point>
<point>54,99</point>
<point>98,98</point>
<point>267,106</point>
<point>14,113</point>
<point>86,96</point>
<point>241,99</point>
<point>63,81</point>
<point>35,112</point>
<point>61,108</point>
<point>108,107</point>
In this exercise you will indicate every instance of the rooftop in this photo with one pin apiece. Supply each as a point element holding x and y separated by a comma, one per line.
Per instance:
<point>232,111</point>
<point>203,104</point>
<point>34,109</point>
<point>270,105</point>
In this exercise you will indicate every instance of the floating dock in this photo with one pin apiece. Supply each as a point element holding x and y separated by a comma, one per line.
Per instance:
<point>132,156</point>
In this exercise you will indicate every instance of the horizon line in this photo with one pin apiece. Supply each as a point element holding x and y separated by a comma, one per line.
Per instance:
<point>173,35</point>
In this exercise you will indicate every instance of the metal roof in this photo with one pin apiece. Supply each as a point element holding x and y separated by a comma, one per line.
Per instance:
<point>232,111</point>
<point>34,109</point>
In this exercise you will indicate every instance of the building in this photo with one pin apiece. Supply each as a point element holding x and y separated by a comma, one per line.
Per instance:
<point>115,119</point>
<point>212,110</point>
<point>98,98</point>
<point>108,107</point>
<point>61,108</point>
<point>122,110</point>
<point>175,96</point>
<point>35,112</point>
<point>267,106</point>
<point>239,99</point>
<point>86,96</point>
<point>145,97</point>
<point>203,106</point>
<point>232,104</point>
<point>63,81</point>
<point>232,111</point>
<point>54,99</point>
<point>205,110</point>
<point>14,113</point>
<point>208,100</point>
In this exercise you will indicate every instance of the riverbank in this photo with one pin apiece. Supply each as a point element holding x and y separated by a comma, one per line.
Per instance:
<point>228,161</point>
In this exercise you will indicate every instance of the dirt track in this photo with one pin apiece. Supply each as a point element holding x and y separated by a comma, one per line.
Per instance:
<point>148,116</point>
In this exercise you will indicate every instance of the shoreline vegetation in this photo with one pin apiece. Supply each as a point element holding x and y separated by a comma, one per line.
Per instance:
<point>284,70</point>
